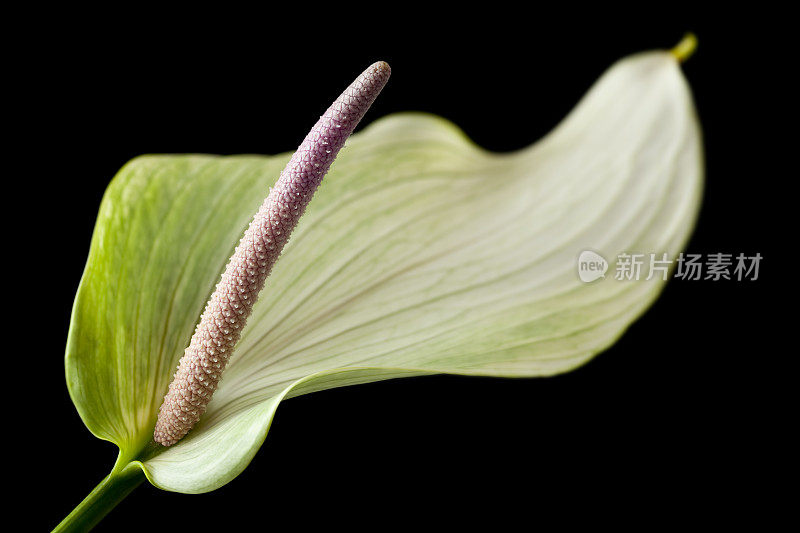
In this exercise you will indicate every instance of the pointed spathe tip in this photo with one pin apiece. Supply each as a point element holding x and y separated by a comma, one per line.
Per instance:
<point>684,49</point>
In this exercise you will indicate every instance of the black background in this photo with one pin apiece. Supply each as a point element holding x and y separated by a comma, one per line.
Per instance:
<point>668,424</point>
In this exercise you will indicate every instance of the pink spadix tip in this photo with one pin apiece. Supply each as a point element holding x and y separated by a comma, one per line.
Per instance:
<point>226,313</point>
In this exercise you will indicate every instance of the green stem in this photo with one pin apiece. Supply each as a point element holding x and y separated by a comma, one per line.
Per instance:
<point>105,496</point>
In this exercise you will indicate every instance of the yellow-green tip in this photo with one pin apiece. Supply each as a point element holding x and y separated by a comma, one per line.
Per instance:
<point>684,49</point>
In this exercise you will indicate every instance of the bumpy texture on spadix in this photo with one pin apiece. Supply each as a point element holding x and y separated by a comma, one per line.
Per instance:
<point>226,313</point>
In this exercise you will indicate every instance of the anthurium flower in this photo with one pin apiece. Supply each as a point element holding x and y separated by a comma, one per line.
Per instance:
<point>420,253</point>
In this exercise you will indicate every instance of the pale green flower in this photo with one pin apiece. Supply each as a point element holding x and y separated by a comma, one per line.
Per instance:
<point>420,254</point>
